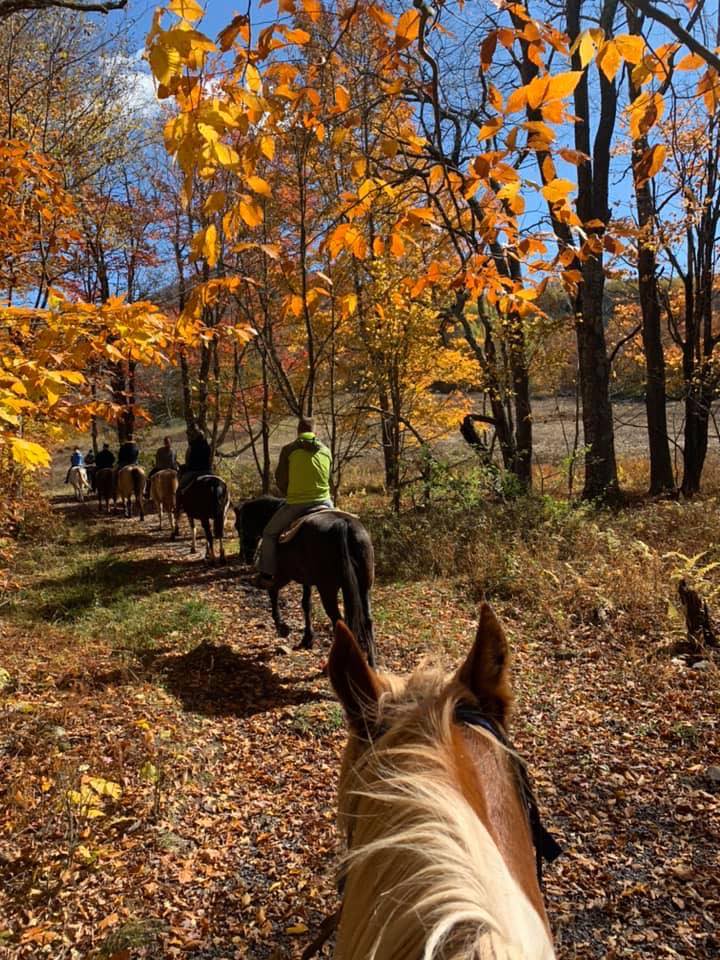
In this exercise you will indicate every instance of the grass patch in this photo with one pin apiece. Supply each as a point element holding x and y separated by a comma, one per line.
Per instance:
<point>79,584</point>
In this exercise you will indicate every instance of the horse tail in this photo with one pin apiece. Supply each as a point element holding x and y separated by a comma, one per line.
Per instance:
<point>137,482</point>
<point>221,493</point>
<point>352,600</point>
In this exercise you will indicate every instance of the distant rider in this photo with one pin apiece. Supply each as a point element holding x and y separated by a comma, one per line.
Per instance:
<point>165,459</point>
<point>198,460</point>
<point>105,460</point>
<point>303,476</point>
<point>128,454</point>
<point>76,460</point>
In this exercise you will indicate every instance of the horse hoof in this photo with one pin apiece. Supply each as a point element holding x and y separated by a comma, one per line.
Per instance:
<point>304,645</point>
<point>284,630</point>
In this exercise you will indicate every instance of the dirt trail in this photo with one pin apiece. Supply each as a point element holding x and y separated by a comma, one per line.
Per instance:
<point>216,838</point>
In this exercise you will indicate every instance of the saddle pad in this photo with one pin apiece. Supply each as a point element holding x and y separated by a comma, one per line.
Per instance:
<point>202,476</point>
<point>289,532</point>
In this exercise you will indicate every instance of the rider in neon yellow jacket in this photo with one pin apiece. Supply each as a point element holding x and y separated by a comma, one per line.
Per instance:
<point>303,476</point>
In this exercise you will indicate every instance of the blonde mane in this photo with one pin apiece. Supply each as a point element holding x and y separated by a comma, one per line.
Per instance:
<point>424,878</point>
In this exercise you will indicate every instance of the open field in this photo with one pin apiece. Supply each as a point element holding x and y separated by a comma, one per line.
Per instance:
<point>169,769</point>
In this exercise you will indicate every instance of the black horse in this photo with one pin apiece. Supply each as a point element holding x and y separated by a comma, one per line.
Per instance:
<point>205,499</point>
<point>330,551</point>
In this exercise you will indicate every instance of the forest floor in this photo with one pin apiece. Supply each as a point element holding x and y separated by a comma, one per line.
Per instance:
<point>168,767</point>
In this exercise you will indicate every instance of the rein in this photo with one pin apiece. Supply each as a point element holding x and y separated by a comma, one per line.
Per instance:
<point>546,846</point>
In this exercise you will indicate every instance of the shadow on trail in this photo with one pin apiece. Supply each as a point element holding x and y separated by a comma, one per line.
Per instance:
<point>214,680</point>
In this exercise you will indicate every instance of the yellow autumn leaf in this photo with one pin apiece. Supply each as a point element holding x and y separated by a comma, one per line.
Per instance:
<point>297,36</point>
<point>490,128</point>
<point>342,97</point>
<point>313,8</point>
<point>28,454</point>
<point>253,80</point>
<point>164,62</point>
<point>563,84</point>
<point>251,212</point>
<point>645,112</point>
<point>608,59</point>
<point>537,91</point>
<point>650,164</point>
<point>557,190</point>
<point>586,44</point>
<point>224,154</point>
<point>297,305</point>
<point>238,26</point>
<point>215,201</point>
<point>187,9</point>
<point>258,185</point>
<point>408,27</point>
<point>267,147</point>
<point>630,47</point>
<point>296,929</point>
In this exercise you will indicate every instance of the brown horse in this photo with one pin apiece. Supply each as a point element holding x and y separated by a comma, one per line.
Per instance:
<point>441,825</point>
<point>163,487</point>
<point>105,487</point>
<point>130,482</point>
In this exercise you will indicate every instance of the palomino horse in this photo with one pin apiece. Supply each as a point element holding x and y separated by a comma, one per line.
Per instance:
<point>78,479</point>
<point>105,487</point>
<point>130,482</point>
<point>441,825</point>
<point>331,551</point>
<point>206,499</point>
<point>163,487</point>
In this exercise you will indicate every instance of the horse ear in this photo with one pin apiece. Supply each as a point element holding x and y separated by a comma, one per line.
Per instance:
<point>485,671</point>
<point>353,679</point>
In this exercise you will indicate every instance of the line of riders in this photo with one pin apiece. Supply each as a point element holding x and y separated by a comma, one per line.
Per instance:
<point>302,476</point>
<point>198,460</point>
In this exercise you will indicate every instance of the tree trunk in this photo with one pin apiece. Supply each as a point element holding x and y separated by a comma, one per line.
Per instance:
<point>594,366</point>
<point>662,478</point>
<point>697,418</point>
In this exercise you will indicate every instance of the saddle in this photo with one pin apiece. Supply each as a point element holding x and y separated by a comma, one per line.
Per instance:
<point>200,476</point>
<point>289,532</point>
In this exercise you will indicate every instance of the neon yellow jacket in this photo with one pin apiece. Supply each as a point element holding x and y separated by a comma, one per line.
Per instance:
<point>303,471</point>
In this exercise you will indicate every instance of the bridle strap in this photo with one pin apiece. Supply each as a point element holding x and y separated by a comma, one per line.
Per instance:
<point>546,846</point>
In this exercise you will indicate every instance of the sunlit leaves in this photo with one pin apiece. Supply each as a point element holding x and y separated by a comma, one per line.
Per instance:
<point>187,9</point>
<point>557,190</point>
<point>251,212</point>
<point>408,28</point>
<point>645,111</point>
<point>259,185</point>
<point>586,45</point>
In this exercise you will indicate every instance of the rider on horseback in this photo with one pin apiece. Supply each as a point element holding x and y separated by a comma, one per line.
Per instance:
<point>165,459</point>
<point>128,454</point>
<point>76,460</point>
<point>105,460</point>
<point>198,460</point>
<point>303,476</point>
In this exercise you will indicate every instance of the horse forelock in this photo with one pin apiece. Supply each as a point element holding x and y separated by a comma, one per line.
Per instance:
<point>424,876</point>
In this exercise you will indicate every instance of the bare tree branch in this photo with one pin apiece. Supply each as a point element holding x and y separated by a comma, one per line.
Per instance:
<point>9,7</point>
<point>677,30</point>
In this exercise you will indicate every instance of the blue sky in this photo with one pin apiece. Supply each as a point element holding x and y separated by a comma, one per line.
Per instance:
<point>139,13</point>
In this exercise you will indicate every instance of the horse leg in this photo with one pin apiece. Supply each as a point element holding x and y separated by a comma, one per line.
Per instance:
<point>139,499</point>
<point>193,540</point>
<point>329,598</point>
<point>209,545</point>
<point>367,616</point>
<point>307,638</point>
<point>283,630</point>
